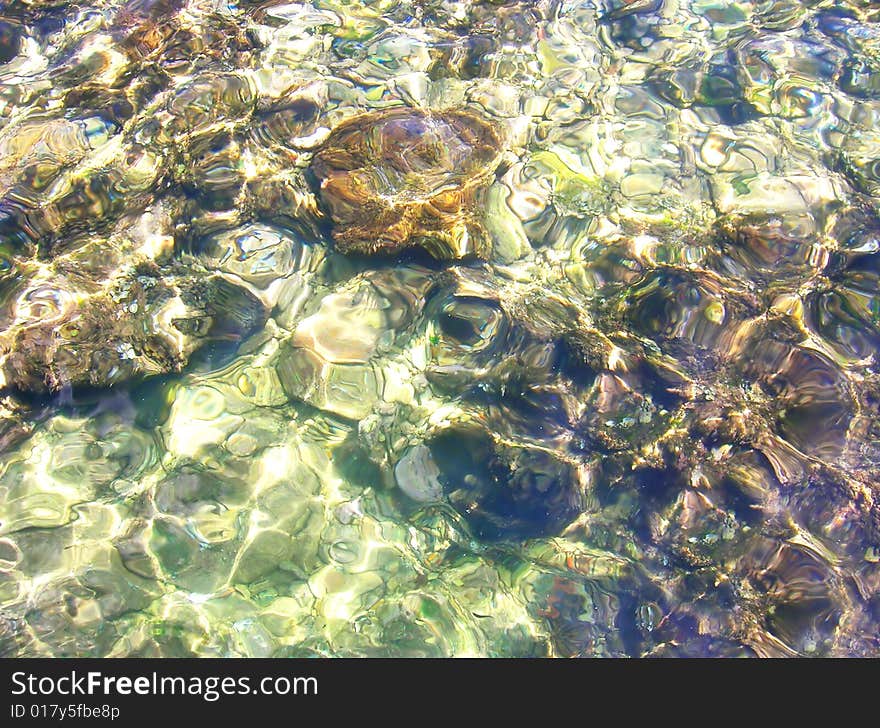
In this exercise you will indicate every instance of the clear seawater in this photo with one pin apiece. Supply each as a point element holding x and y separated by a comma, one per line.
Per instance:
<point>645,421</point>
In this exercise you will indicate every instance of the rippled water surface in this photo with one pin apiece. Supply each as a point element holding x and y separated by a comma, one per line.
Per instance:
<point>422,327</point>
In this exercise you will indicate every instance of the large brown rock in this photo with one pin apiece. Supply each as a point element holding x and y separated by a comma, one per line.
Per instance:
<point>402,177</point>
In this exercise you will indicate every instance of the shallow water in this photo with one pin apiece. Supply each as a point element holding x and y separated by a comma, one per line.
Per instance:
<point>642,420</point>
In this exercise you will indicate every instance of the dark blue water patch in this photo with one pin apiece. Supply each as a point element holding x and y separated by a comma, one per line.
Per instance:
<point>10,41</point>
<point>18,231</point>
<point>843,26</point>
<point>505,493</point>
<point>861,78</point>
<point>632,24</point>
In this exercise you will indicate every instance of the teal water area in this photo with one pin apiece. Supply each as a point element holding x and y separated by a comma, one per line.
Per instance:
<point>439,328</point>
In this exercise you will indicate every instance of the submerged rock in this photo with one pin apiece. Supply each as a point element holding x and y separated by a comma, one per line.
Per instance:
<point>330,361</point>
<point>71,333</point>
<point>398,178</point>
<point>114,309</point>
<point>504,490</point>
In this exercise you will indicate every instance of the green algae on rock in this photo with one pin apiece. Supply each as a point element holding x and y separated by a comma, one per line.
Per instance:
<point>403,177</point>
